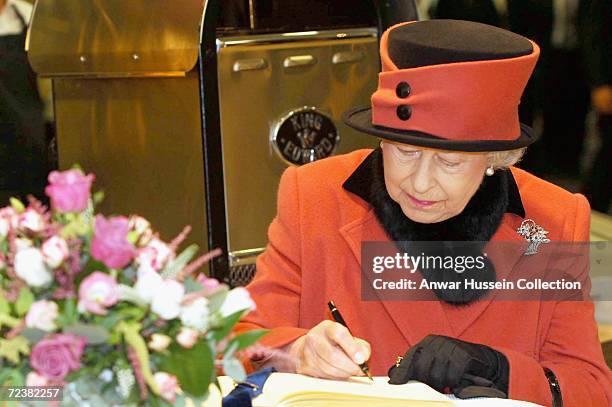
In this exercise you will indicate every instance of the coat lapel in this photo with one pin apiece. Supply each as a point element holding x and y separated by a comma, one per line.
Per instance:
<point>506,249</point>
<point>408,316</point>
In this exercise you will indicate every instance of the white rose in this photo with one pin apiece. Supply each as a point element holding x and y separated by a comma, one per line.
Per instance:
<point>32,221</point>
<point>167,299</point>
<point>42,315</point>
<point>55,251</point>
<point>147,284</point>
<point>22,243</point>
<point>30,267</point>
<point>237,299</point>
<point>195,314</point>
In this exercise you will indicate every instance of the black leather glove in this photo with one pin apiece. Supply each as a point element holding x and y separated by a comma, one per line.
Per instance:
<point>468,369</point>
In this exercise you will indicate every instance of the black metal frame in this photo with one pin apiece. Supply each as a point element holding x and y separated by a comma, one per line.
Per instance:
<point>389,12</point>
<point>211,142</point>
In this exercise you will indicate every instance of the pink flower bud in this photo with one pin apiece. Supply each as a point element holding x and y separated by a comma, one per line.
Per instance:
<point>159,342</point>
<point>187,337</point>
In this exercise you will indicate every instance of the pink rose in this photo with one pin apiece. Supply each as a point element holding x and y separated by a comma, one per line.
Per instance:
<point>57,356</point>
<point>168,385</point>
<point>97,292</point>
<point>55,251</point>
<point>110,244</point>
<point>69,190</point>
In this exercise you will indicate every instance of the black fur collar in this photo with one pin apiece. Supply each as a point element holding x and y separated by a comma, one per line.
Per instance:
<point>477,223</point>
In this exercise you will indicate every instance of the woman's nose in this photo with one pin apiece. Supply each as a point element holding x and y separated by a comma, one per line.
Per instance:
<point>423,177</point>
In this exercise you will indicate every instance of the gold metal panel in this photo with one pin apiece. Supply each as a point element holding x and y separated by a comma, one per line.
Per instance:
<point>114,37</point>
<point>253,100</point>
<point>142,139</point>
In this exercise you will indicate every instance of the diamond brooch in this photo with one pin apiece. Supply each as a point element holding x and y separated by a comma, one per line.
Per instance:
<point>534,234</point>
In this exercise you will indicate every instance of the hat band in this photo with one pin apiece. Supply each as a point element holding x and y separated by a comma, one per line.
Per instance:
<point>464,101</point>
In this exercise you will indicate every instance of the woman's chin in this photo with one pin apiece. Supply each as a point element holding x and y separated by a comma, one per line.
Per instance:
<point>423,216</point>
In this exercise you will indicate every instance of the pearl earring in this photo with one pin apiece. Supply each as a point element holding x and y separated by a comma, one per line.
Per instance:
<point>381,144</point>
<point>490,171</point>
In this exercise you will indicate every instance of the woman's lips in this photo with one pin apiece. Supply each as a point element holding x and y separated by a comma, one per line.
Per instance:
<point>419,203</point>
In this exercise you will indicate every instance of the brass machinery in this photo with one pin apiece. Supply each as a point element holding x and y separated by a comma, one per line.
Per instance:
<point>189,113</point>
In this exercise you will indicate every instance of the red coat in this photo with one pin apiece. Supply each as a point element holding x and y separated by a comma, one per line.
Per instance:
<point>313,256</point>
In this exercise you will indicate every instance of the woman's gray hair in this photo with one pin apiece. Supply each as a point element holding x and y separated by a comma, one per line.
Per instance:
<point>504,159</point>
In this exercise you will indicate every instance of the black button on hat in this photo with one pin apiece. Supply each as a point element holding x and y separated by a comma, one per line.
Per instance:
<point>402,90</point>
<point>404,112</point>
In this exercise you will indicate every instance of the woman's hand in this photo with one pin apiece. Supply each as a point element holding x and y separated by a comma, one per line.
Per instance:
<point>329,351</point>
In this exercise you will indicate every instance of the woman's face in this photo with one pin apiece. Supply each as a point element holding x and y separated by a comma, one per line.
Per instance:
<point>431,185</point>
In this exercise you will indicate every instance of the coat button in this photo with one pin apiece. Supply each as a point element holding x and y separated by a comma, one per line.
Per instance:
<point>404,112</point>
<point>402,90</point>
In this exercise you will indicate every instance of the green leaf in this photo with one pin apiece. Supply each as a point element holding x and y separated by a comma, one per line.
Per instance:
<point>24,301</point>
<point>194,368</point>
<point>70,314</point>
<point>11,348</point>
<point>191,285</point>
<point>5,308</point>
<point>98,197</point>
<point>17,205</point>
<point>12,377</point>
<point>247,339</point>
<point>9,321</point>
<point>233,368</point>
<point>95,334</point>
<point>33,335</point>
<point>227,326</point>
<point>175,266</point>
<point>216,300</point>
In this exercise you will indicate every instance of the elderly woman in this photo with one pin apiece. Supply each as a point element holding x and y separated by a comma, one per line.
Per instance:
<point>446,111</point>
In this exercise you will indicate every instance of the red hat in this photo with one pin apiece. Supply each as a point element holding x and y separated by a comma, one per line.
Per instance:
<point>450,84</point>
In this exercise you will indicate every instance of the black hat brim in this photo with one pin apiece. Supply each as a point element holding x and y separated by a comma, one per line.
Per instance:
<point>360,119</point>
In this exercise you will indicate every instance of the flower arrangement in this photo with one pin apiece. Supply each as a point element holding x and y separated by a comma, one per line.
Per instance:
<point>107,309</point>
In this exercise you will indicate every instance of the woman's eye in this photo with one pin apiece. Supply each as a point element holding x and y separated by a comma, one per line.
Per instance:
<point>408,153</point>
<point>450,164</point>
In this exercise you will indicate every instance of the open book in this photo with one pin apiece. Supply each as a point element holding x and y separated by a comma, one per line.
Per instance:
<point>293,390</point>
